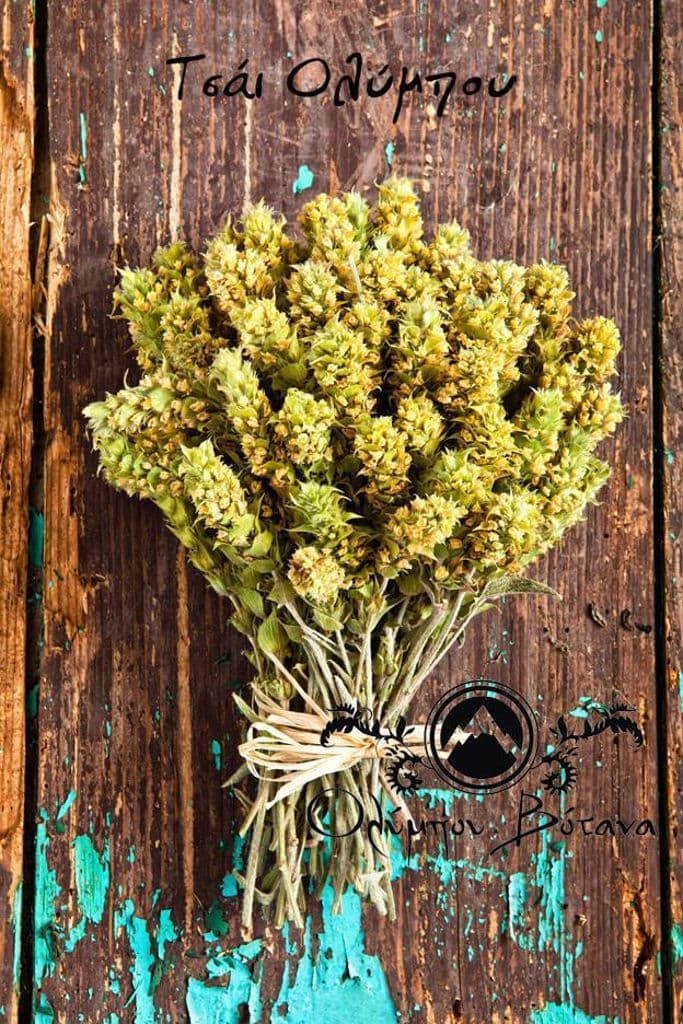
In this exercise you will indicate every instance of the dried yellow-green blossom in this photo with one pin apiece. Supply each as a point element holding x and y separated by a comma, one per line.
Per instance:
<point>371,321</point>
<point>247,406</point>
<point>336,231</point>
<point>215,492</point>
<point>315,575</point>
<point>398,215</point>
<point>362,434</point>
<point>266,335</point>
<point>314,293</point>
<point>304,425</point>
<point>421,424</point>
<point>344,368</point>
<point>416,530</point>
<point>319,512</point>
<point>546,286</point>
<point>450,244</point>
<point>384,459</point>
<point>421,351</point>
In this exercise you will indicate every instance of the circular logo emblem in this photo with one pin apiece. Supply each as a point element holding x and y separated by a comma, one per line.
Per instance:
<point>481,736</point>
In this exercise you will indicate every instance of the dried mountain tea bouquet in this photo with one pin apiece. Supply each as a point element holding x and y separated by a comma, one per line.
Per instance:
<point>363,437</point>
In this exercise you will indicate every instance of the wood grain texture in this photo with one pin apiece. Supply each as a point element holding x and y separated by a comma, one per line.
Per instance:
<point>670,137</point>
<point>136,728</point>
<point>16,145</point>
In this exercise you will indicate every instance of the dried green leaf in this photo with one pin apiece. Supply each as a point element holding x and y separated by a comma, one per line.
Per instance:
<point>271,637</point>
<point>504,585</point>
<point>252,600</point>
<point>328,622</point>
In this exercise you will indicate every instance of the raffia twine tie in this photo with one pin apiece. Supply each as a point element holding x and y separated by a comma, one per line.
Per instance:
<point>288,743</point>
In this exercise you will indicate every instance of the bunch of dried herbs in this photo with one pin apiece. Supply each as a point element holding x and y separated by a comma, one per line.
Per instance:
<point>363,437</point>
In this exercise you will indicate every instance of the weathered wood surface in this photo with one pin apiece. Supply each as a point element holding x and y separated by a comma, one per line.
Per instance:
<point>135,729</point>
<point>16,166</point>
<point>670,285</point>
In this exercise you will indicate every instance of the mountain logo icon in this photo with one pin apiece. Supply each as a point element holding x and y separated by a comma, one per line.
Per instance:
<point>481,736</point>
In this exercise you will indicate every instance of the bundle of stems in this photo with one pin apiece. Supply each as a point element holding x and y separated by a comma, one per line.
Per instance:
<point>285,853</point>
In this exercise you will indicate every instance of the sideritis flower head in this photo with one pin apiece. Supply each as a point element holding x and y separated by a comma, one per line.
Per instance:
<point>315,576</point>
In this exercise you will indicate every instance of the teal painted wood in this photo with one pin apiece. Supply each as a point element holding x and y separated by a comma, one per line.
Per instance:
<point>136,911</point>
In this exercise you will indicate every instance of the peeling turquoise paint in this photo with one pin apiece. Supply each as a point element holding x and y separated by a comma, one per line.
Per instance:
<point>677,942</point>
<point>598,36</point>
<point>217,966</point>
<point>166,932</point>
<point>680,688</point>
<point>447,798</point>
<point>43,1012</point>
<point>143,962</point>
<point>303,180</point>
<point>554,1013</point>
<point>238,845</point>
<point>149,956</point>
<point>601,3</point>
<point>549,879</point>
<point>234,960</point>
<point>331,979</point>
<point>543,888</point>
<point>342,981</point>
<point>36,537</point>
<point>389,150</point>
<point>517,897</point>
<point>47,892</point>
<point>91,872</point>
<point>475,871</point>
<point>536,904</point>
<point>84,151</point>
<point>215,922</point>
<point>230,886</point>
<point>445,866</point>
<point>217,752</point>
<point>16,924</point>
<point>114,983</point>
<point>92,884</point>
<point>71,796</point>
<point>224,1005</point>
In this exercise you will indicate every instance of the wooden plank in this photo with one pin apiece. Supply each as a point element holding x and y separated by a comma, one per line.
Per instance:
<point>136,727</point>
<point>670,192</point>
<point>16,145</point>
